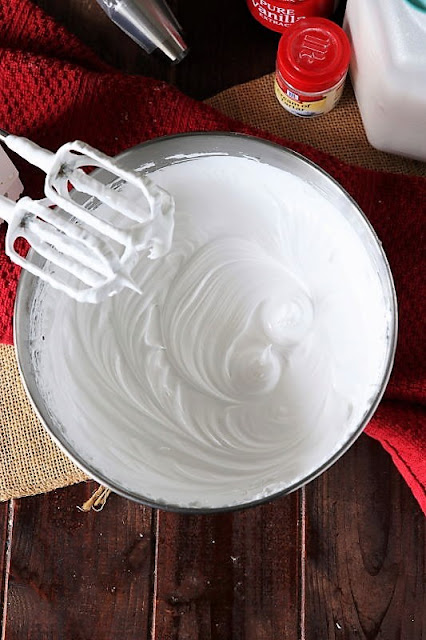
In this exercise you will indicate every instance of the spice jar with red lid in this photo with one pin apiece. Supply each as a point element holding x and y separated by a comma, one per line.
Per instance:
<point>280,14</point>
<point>312,63</point>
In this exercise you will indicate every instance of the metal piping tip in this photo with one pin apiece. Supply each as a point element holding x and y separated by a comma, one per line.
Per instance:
<point>150,23</point>
<point>174,48</point>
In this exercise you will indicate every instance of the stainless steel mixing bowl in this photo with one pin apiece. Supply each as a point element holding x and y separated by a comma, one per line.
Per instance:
<point>159,152</point>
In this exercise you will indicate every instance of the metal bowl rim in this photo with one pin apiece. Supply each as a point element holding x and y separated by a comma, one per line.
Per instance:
<point>19,314</point>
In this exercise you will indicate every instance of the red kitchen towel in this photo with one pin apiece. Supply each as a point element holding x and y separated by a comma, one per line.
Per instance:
<point>54,89</point>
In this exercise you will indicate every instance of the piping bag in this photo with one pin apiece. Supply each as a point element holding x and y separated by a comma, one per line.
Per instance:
<point>150,23</point>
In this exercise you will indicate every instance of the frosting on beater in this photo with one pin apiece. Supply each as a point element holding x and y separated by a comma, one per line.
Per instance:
<point>250,357</point>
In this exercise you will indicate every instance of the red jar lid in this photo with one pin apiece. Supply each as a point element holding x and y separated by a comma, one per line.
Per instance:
<point>313,55</point>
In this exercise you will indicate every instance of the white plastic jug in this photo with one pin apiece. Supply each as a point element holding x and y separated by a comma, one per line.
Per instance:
<point>388,71</point>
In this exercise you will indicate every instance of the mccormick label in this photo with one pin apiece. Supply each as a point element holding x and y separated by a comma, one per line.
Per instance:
<point>308,106</point>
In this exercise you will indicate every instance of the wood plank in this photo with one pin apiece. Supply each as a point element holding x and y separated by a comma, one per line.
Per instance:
<point>4,548</point>
<point>229,575</point>
<point>80,576</point>
<point>365,552</point>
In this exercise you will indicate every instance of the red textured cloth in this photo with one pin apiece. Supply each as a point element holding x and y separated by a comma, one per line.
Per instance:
<point>54,89</point>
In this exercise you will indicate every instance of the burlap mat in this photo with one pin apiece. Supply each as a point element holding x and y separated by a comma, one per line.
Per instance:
<point>30,462</point>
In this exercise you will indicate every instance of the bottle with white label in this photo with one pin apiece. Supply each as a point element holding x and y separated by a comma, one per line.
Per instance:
<point>388,71</point>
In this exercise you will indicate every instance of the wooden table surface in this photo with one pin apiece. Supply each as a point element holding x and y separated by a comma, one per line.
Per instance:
<point>343,558</point>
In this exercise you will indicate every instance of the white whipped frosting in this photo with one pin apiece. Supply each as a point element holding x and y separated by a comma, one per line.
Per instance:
<point>251,356</point>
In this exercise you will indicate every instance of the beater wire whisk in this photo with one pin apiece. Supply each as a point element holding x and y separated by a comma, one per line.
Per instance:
<point>91,246</point>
